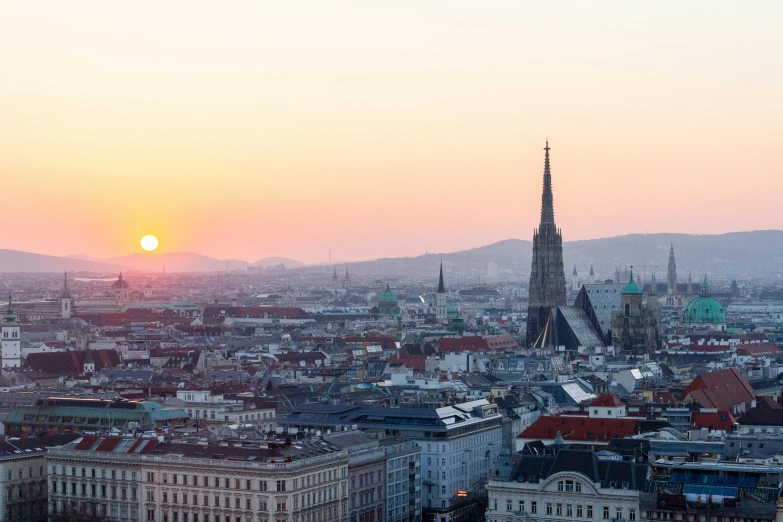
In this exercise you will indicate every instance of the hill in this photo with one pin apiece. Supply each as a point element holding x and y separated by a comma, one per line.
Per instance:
<point>18,261</point>
<point>277,261</point>
<point>735,255</point>
<point>177,262</point>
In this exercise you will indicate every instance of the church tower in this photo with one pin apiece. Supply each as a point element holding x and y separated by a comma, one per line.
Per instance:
<point>347,279</point>
<point>11,342</point>
<point>334,280</point>
<point>671,282</point>
<point>65,300</point>
<point>592,274</point>
<point>574,280</point>
<point>440,297</point>
<point>547,275</point>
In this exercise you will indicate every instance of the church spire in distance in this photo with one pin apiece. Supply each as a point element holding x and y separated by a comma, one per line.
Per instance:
<point>547,200</point>
<point>441,286</point>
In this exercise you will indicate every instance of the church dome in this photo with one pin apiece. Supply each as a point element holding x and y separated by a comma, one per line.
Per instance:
<point>387,297</point>
<point>451,309</point>
<point>704,309</point>
<point>120,283</point>
<point>631,287</point>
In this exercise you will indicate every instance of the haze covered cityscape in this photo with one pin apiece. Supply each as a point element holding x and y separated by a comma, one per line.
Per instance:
<point>450,262</point>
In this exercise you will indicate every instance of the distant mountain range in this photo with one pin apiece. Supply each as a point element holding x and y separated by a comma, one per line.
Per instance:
<point>17,261</point>
<point>736,255</point>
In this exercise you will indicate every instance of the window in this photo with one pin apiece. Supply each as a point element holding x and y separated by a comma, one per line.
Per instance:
<point>578,487</point>
<point>631,514</point>
<point>560,486</point>
<point>618,513</point>
<point>533,507</point>
<point>281,485</point>
<point>579,512</point>
<point>569,485</point>
<point>509,506</point>
<point>569,510</point>
<point>589,511</point>
<point>262,485</point>
<point>281,505</point>
<point>521,505</point>
<point>559,510</point>
<point>606,512</point>
<point>548,508</point>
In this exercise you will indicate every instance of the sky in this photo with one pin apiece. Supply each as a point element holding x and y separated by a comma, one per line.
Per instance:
<point>382,129</point>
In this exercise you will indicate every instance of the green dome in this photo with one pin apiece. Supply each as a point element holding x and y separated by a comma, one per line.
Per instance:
<point>631,287</point>
<point>387,296</point>
<point>451,309</point>
<point>704,309</point>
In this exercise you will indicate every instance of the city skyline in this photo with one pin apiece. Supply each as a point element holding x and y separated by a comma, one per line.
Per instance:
<point>265,130</point>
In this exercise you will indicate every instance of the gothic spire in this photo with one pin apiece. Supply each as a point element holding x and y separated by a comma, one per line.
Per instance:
<point>547,203</point>
<point>441,286</point>
<point>66,293</point>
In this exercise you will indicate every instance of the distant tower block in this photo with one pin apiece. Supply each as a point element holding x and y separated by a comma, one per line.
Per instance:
<point>671,281</point>
<point>65,300</point>
<point>11,339</point>
<point>440,297</point>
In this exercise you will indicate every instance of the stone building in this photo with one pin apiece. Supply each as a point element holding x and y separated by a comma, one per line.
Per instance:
<point>635,327</point>
<point>547,275</point>
<point>23,477</point>
<point>144,479</point>
<point>558,484</point>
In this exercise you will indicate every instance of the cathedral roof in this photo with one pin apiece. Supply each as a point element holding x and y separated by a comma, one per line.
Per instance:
<point>704,310</point>
<point>441,286</point>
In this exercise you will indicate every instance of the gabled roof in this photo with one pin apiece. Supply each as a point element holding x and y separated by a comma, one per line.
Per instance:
<point>721,389</point>
<point>607,400</point>
<point>715,420</point>
<point>766,413</point>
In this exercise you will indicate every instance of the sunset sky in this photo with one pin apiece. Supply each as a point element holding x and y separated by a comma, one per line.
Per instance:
<point>254,129</point>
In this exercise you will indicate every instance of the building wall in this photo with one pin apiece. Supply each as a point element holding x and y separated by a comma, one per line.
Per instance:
<point>23,491</point>
<point>517,501</point>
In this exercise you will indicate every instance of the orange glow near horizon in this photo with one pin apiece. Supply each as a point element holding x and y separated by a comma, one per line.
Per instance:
<point>251,129</point>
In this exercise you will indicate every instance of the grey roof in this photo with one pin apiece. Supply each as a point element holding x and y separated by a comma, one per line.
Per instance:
<point>580,325</point>
<point>605,299</point>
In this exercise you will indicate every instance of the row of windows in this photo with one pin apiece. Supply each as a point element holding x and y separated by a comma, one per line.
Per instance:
<point>91,473</point>
<point>30,473</point>
<point>315,479</point>
<point>93,490</point>
<point>307,499</point>
<point>568,510</point>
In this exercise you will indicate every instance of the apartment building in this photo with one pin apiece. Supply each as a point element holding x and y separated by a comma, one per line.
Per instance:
<point>23,475</point>
<point>152,481</point>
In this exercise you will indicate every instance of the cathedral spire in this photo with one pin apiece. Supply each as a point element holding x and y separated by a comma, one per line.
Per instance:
<point>441,286</point>
<point>547,202</point>
<point>66,293</point>
<point>671,280</point>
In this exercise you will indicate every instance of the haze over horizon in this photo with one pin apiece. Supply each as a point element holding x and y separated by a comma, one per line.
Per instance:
<point>258,130</point>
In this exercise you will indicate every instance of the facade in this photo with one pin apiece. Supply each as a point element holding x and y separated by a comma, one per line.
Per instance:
<point>458,445</point>
<point>547,276</point>
<point>564,485</point>
<point>10,343</point>
<point>403,480</point>
<point>210,409</point>
<point>366,475</point>
<point>144,479</point>
<point>23,477</point>
<point>71,414</point>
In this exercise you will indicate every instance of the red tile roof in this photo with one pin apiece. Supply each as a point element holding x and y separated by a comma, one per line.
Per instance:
<point>607,400</point>
<point>721,389</point>
<point>759,349</point>
<point>716,420</point>
<point>71,362</point>
<point>414,362</point>
<point>582,429</point>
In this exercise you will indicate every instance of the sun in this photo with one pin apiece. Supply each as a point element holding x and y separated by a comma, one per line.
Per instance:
<point>149,243</point>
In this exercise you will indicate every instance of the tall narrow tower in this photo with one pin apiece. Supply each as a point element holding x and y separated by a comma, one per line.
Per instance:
<point>440,297</point>
<point>11,342</point>
<point>65,300</point>
<point>547,275</point>
<point>671,282</point>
